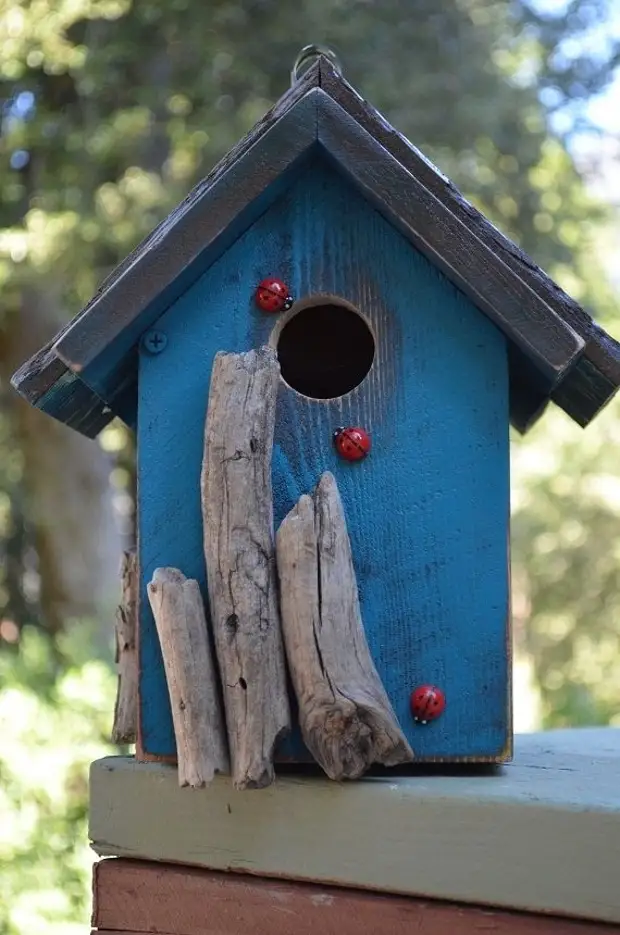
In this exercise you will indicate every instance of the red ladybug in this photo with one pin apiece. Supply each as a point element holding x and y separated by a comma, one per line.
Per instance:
<point>352,444</point>
<point>272,295</point>
<point>427,703</point>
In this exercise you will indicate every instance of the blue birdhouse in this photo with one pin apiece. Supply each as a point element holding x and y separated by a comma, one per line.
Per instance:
<point>409,334</point>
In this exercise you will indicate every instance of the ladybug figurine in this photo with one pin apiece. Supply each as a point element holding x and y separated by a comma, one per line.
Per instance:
<point>272,295</point>
<point>352,444</point>
<point>427,703</point>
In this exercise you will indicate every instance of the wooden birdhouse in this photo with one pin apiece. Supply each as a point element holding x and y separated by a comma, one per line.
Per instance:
<point>321,351</point>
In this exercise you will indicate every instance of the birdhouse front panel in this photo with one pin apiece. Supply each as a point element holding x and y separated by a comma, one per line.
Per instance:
<point>393,381</point>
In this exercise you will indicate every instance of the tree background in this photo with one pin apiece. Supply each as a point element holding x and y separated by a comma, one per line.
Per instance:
<point>110,111</point>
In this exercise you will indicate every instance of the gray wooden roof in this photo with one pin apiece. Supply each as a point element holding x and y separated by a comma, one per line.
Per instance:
<point>88,373</point>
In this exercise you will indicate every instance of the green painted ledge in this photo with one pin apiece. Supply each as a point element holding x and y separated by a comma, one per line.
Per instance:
<point>541,834</point>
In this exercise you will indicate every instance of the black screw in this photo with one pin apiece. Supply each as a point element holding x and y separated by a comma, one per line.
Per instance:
<point>154,341</point>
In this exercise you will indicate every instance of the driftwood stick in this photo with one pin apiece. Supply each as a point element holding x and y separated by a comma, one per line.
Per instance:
<point>191,675</point>
<point>240,557</point>
<point>126,707</point>
<point>346,718</point>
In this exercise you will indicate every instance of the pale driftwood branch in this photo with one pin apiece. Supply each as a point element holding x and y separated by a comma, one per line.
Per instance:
<point>126,708</point>
<point>191,675</point>
<point>346,718</point>
<point>240,557</point>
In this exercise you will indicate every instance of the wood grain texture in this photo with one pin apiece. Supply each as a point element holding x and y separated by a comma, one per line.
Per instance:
<point>88,373</point>
<point>345,715</point>
<point>237,510</point>
<point>533,326</point>
<point>47,383</point>
<point>191,675</point>
<point>100,343</point>
<point>542,834</point>
<point>188,241</point>
<point>126,708</point>
<point>174,221</point>
<point>428,542</point>
<point>147,897</point>
<point>596,375</point>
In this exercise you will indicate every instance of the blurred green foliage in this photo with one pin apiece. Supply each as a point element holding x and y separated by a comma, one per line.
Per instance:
<point>52,726</point>
<point>111,110</point>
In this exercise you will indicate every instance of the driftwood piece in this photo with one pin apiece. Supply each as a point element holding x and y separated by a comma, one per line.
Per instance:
<point>240,557</point>
<point>346,717</point>
<point>124,728</point>
<point>191,675</point>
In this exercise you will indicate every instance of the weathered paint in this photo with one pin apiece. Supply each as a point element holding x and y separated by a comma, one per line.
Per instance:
<point>557,351</point>
<point>209,220</point>
<point>427,511</point>
<point>541,834</point>
<point>71,402</point>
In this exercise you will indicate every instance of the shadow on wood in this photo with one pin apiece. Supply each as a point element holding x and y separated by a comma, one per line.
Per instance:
<point>345,714</point>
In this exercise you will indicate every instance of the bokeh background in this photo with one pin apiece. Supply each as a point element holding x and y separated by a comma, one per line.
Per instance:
<point>110,111</point>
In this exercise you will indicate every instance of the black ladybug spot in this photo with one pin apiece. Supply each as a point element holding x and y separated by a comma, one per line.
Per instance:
<point>325,351</point>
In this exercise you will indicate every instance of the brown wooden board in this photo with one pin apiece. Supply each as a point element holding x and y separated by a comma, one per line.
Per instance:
<point>132,896</point>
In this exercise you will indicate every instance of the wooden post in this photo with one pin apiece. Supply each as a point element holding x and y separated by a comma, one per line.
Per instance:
<point>346,717</point>
<point>240,558</point>
<point>191,676</point>
<point>126,707</point>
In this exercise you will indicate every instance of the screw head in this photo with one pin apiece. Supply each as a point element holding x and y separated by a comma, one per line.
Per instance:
<point>154,341</point>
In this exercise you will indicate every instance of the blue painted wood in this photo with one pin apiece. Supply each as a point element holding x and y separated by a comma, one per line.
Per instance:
<point>427,511</point>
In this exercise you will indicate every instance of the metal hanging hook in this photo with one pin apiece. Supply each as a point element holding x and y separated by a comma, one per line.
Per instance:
<point>306,57</point>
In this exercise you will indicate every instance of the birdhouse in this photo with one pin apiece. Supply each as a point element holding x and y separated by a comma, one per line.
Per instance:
<point>321,351</point>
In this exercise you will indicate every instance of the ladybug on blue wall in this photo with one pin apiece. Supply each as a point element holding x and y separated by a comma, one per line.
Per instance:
<point>352,443</point>
<point>272,295</point>
<point>427,703</point>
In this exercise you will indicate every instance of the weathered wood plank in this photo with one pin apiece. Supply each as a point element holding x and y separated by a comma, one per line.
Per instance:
<point>192,681</point>
<point>239,548</point>
<point>149,897</point>
<point>165,264</point>
<point>545,831</point>
<point>346,717</point>
<point>125,724</point>
<point>491,284</point>
<point>47,383</point>
<point>597,373</point>
<point>193,235</point>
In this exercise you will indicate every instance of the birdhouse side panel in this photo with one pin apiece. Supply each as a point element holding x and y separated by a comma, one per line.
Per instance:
<point>426,509</point>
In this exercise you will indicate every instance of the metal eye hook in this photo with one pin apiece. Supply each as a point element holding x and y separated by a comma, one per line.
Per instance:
<point>307,55</point>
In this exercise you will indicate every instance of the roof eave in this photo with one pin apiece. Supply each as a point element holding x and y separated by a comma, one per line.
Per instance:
<point>557,351</point>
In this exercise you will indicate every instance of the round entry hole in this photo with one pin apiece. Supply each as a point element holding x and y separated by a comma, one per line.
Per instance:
<point>325,351</point>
